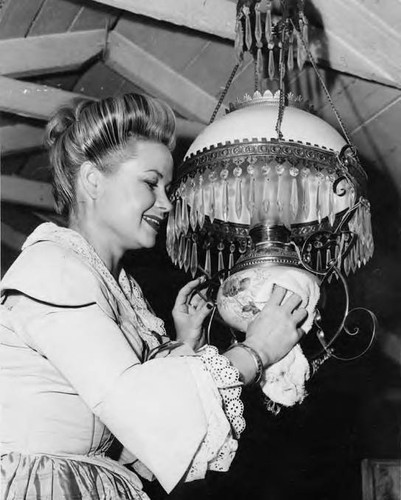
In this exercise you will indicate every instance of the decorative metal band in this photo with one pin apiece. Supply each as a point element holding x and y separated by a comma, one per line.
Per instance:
<point>286,150</point>
<point>267,98</point>
<point>256,262</point>
<point>255,146</point>
<point>304,229</point>
<point>225,230</point>
<point>263,149</point>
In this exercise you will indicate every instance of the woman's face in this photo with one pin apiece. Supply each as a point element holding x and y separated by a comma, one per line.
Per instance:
<point>133,200</point>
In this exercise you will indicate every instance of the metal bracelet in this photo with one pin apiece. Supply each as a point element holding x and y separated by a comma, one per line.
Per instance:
<point>255,357</point>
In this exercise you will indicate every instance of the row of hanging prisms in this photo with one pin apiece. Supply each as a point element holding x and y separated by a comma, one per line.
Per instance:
<point>363,249</point>
<point>263,36</point>
<point>320,258</point>
<point>281,192</point>
<point>184,252</point>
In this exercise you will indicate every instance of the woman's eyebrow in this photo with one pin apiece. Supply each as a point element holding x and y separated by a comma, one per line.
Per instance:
<point>156,172</point>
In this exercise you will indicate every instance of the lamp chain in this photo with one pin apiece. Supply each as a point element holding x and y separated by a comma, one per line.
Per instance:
<point>256,75</point>
<point>281,81</point>
<point>223,94</point>
<point>313,62</point>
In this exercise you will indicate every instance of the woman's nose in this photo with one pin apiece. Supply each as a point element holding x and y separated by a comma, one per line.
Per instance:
<point>164,203</point>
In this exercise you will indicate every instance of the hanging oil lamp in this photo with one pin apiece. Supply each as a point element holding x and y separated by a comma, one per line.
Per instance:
<point>270,184</point>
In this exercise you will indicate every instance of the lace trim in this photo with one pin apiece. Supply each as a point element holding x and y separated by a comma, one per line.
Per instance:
<point>227,380</point>
<point>225,456</point>
<point>135,295</point>
<point>208,458</point>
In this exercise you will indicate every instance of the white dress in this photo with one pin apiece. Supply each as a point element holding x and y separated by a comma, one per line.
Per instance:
<point>73,343</point>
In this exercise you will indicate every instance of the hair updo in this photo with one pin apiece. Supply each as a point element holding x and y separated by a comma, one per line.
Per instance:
<point>94,131</point>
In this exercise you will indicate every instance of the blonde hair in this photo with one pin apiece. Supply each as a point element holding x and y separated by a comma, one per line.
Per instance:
<point>96,131</point>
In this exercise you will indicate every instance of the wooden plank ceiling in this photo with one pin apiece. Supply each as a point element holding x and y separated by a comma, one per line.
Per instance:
<point>182,51</point>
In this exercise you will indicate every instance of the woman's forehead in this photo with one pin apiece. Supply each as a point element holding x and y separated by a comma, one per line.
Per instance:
<point>150,155</point>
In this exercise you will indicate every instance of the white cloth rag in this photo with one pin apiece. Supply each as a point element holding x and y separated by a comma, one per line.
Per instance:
<point>284,382</point>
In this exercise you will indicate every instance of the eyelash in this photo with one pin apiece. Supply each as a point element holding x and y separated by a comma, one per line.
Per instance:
<point>152,185</point>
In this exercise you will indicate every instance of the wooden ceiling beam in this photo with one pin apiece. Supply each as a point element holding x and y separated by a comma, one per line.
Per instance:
<point>342,45</point>
<point>136,64</point>
<point>40,102</point>
<point>20,138</point>
<point>216,18</point>
<point>359,41</point>
<point>11,237</point>
<point>37,55</point>
<point>16,17</point>
<point>31,100</point>
<point>27,192</point>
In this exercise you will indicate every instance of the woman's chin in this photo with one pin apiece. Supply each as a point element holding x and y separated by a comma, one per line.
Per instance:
<point>144,243</point>
<point>149,241</point>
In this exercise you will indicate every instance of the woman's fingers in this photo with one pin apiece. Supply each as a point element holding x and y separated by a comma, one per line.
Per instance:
<point>292,302</point>
<point>187,290</point>
<point>290,305</point>
<point>196,300</point>
<point>277,295</point>
<point>301,332</point>
<point>203,311</point>
<point>299,316</point>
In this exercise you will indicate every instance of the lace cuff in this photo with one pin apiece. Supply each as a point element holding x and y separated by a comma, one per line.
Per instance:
<point>227,380</point>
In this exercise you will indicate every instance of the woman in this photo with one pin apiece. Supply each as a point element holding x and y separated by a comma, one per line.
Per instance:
<point>84,359</point>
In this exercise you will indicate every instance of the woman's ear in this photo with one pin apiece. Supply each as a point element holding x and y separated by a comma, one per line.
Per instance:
<point>90,179</point>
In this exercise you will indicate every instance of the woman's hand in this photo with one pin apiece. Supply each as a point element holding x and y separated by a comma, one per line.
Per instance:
<point>272,334</point>
<point>189,312</point>
<point>275,330</point>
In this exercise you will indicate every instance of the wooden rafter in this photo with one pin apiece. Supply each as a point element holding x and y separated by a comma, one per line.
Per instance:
<point>36,55</point>
<point>214,17</point>
<point>26,192</point>
<point>31,100</point>
<point>145,70</point>
<point>11,237</point>
<point>40,102</point>
<point>359,41</point>
<point>344,44</point>
<point>16,17</point>
<point>19,138</point>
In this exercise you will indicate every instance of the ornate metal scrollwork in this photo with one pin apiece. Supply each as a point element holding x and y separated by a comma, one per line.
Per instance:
<point>344,326</point>
<point>323,254</point>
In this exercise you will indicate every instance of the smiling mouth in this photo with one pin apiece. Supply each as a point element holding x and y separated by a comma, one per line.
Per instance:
<point>154,222</point>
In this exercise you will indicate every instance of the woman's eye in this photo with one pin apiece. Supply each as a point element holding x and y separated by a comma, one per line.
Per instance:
<point>152,185</point>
